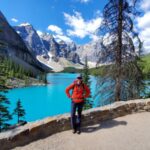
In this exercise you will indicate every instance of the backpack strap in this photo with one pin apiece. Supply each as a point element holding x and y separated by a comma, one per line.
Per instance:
<point>82,86</point>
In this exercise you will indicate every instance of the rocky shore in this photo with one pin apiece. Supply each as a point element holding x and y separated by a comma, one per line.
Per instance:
<point>18,83</point>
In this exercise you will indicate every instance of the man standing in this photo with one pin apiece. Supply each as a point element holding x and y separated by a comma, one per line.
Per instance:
<point>80,91</point>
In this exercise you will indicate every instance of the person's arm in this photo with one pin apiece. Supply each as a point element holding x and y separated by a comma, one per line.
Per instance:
<point>87,91</point>
<point>68,90</point>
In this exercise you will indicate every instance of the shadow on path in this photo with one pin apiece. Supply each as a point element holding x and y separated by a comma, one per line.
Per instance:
<point>103,125</point>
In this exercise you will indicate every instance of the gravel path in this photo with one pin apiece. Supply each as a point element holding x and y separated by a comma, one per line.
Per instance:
<point>131,132</point>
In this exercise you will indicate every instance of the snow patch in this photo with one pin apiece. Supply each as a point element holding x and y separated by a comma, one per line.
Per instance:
<point>25,24</point>
<point>18,32</point>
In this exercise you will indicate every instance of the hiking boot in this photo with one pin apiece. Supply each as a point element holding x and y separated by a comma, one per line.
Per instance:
<point>78,131</point>
<point>74,131</point>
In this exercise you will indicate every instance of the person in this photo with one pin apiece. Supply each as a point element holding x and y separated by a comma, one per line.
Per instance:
<point>80,91</point>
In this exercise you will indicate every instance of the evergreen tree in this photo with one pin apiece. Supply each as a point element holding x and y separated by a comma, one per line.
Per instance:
<point>124,77</point>
<point>45,78</point>
<point>19,111</point>
<point>86,80</point>
<point>5,116</point>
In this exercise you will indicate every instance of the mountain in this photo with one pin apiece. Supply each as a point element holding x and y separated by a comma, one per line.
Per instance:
<point>15,48</point>
<point>57,50</point>
<point>31,38</point>
<point>68,51</point>
<point>52,46</point>
<point>91,50</point>
<point>47,50</point>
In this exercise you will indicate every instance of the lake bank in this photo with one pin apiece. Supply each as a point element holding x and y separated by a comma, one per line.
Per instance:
<point>19,83</point>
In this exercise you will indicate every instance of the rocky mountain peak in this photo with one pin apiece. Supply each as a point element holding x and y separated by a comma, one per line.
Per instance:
<point>31,38</point>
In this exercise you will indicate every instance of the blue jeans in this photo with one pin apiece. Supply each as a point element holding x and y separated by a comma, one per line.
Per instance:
<point>76,120</point>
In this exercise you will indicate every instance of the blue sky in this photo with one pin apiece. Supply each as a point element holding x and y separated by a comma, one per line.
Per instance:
<point>56,13</point>
<point>69,20</point>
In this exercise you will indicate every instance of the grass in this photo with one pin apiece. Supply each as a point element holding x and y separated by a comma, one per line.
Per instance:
<point>146,65</point>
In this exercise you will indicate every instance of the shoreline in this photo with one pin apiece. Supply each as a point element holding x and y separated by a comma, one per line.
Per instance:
<point>23,86</point>
<point>21,83</point>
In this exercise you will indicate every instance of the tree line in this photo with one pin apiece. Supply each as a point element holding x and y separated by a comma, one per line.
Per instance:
<point>5,115</point>
<point>11,69</point>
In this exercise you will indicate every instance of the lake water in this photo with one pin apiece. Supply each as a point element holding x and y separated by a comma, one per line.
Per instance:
<point>43,101</point>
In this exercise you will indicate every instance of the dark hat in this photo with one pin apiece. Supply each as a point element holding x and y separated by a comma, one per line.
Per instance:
<point>79,76</point>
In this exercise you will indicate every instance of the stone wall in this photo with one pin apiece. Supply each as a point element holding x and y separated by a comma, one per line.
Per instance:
<point>51,125</point>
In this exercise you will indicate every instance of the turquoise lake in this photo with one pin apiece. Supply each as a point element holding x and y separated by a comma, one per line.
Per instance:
<point>43,101</point>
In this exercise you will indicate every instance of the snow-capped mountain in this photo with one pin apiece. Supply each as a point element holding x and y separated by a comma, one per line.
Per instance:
<point>45,45</point>
<point>31,38</point>
<point>52,46</point>
<point>46,48</point>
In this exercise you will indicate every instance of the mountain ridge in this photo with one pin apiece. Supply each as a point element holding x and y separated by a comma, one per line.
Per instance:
<point>52,51</point>
<point>15,48</point>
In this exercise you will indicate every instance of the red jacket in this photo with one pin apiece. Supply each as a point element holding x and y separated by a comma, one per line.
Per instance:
<point>79,92</point>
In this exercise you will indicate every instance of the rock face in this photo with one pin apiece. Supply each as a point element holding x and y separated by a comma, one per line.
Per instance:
<point>46,45</point>
<point>54,49</point>
<point>31,38</point>
<point>74,57</point>
<point>15,48</point>
<point>92,50</point>
<point>68,51</point>
<point>51,125</point>
<point>60,49</point>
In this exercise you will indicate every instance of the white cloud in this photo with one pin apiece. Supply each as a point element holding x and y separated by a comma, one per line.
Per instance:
<point>63,37</point>
<point>59,35</point>
<point>143,25</point>
<point>94,37</point>
<point>55,29</point>
<point>145,36</point>
<point>81,27</point>
<point>145,5</point>
<point>84,1</point>
<point>144,21</point>
<point>98,13</point>
<point>14,20</point>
